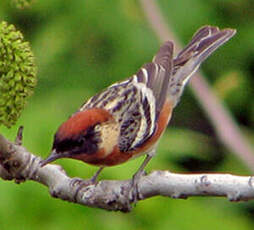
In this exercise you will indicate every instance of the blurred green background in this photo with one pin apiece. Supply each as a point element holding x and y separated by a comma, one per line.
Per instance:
<point>81,47</point>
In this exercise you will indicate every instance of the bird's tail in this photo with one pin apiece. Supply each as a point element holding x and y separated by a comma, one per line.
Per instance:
<point>204,42</point>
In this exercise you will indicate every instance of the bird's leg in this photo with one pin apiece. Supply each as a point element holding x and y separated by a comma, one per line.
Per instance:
<point>94,177</point>
<point>136,177</point>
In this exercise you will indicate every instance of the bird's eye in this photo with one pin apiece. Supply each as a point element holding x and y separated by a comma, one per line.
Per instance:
<point>80,140</point>
<point>85,142</point>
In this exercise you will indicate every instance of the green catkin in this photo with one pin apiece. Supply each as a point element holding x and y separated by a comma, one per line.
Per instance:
<point>21,4</point>
<point>17,74</point>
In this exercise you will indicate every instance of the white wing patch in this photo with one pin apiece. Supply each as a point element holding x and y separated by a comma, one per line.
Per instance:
<point>144,126</point>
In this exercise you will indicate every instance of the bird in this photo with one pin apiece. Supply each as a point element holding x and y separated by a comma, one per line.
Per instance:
<point>127,119</point>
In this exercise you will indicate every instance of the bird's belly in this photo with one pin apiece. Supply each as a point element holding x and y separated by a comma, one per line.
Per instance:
<point>102,159</point>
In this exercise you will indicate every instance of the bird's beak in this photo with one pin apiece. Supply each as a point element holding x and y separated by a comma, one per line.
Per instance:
<point>53,156</point>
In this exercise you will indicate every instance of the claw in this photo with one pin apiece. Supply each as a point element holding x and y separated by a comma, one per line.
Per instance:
<point>80,184</point>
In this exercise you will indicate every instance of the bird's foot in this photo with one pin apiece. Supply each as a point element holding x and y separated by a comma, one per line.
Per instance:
<point>133,192</point>
<point>79,184</point>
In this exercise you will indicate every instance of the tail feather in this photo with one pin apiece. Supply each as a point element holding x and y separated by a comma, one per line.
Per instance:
<point>204,42</point>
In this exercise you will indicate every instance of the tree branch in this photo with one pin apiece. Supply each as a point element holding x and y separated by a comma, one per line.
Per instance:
<point>16,163</point>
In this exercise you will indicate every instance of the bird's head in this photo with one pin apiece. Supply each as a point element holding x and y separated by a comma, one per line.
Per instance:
<point>80,134</point>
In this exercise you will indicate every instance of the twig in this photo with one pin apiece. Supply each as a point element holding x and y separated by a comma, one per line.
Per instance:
<point>17,163</point>
<point>225,127</point>
<point>19,137</point>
